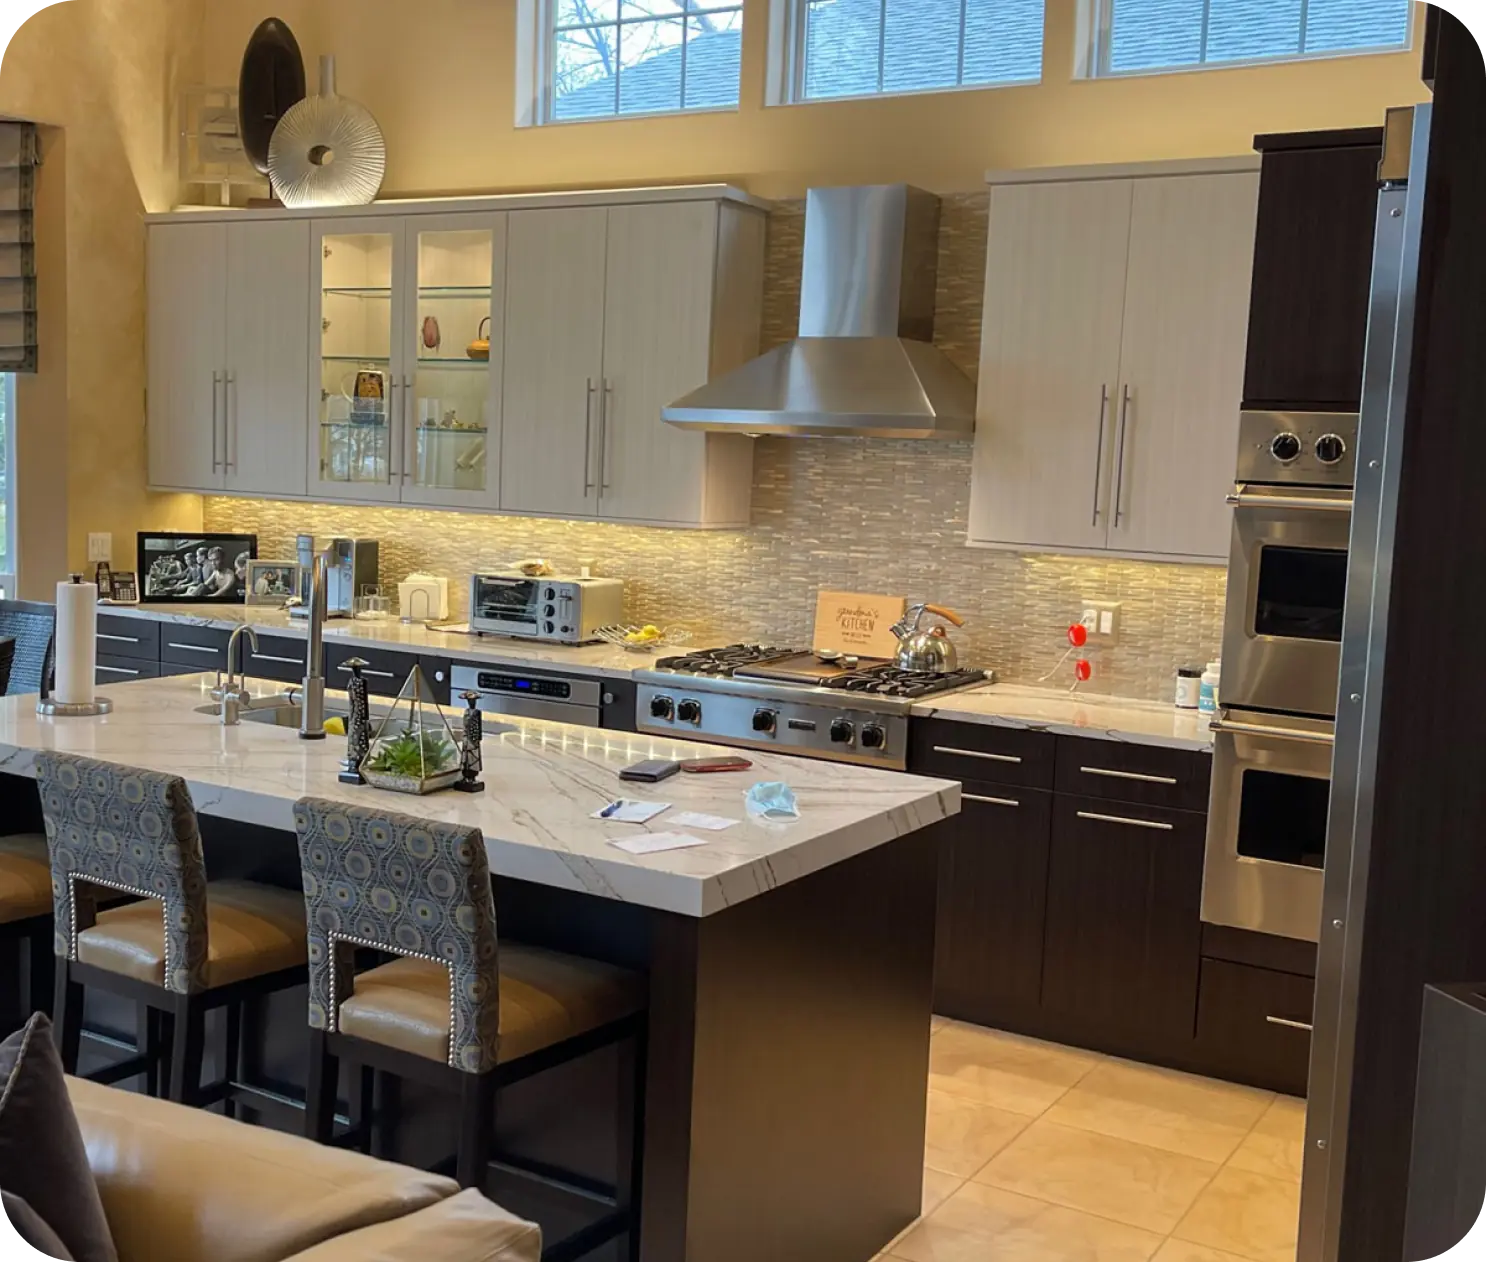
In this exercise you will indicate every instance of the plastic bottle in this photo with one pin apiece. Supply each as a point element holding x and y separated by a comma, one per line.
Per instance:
<point>1207,697</point>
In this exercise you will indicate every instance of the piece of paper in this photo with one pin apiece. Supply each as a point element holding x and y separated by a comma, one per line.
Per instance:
<point>655,843</point>
<point>710,823</point>
<point>624,811</point>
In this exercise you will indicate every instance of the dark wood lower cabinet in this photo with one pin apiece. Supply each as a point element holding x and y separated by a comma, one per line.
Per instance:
<point>1253,1024</point>
<point>992,903</point>
<point>1123,932</point>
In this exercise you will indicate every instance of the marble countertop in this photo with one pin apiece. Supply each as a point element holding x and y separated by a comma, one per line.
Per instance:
<point>543,781</point>
<point>601,660</point>
<point>1063,713</point>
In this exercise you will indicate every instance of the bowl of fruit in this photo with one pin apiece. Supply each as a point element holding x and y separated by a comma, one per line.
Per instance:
<point>642,639</point>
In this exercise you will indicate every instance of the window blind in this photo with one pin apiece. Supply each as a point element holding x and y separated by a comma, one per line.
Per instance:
<point>17,247</point>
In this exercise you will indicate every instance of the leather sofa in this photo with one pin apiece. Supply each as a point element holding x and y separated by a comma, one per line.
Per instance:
<point>183,1185</point>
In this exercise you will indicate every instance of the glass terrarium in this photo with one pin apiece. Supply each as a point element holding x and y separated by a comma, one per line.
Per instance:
<point>414,750</point>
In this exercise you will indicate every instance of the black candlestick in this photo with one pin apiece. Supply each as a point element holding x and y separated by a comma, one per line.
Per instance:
<point>471,761</point>
<point>358,726</point>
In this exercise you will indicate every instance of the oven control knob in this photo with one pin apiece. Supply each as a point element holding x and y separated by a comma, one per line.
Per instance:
<point>1285,448</point>
<point>1330,448</point>
<point>872,737</point>
<point>550,594</point>
<point>765,720</point>
<point>552,628</point>
<point>842,731</point>
<point>689,711</point>
<point>550,611</point>
<point>662,707</point>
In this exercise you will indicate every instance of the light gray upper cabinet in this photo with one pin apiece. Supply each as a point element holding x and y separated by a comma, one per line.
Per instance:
<point>1112,364</point>
<point>228,310</point>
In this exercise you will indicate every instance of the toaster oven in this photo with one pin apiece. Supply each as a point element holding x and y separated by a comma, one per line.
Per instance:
<point>553,609</point>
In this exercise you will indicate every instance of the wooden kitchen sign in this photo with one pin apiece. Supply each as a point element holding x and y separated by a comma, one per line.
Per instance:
<point>851,622</point>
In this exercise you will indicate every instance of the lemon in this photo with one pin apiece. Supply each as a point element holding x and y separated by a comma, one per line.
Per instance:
<point>335,727</point>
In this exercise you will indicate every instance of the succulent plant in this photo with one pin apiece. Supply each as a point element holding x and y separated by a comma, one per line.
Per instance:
<point>409,755</point>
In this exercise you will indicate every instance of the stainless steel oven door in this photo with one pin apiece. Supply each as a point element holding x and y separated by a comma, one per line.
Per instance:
<point>1266,823</point>
<point>505,606</point>
<point>1287,584</point>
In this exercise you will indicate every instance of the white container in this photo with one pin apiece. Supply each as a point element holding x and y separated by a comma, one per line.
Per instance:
<point>1207,697</point>
<point>423,598</point>
<point>1188,688</point>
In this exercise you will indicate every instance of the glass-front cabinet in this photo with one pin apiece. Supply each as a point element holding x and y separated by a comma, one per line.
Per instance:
<point>409,329</point>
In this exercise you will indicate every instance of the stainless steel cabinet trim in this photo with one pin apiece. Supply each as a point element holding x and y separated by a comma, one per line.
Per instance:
<point>1291,1025</point>
<point>229,422</point>
<point>1263,729</point>
<point>988,801</point>
<point>1099,450</point>
<point>194,648</point>
<point>1152,824</point>
<point>367,671</point>
<point>120,639</point>
<point>269,657</point>
<point>1128,775</point>
<point>588,439</point>
<point>1242,497</point>
<point>604,483</point>
<point>975,753</point>
<point>116,670</point>
<point>216,381</point>
<point>394,426</point>
<point>1119,487</point>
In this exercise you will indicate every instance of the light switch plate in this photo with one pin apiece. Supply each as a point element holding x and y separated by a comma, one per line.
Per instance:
<point>101,547</point>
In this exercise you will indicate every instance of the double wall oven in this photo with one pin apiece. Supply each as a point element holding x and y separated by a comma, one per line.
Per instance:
<point>1273,737</point>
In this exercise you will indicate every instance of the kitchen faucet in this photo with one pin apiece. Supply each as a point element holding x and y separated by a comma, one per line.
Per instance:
<point>312,715</point>
<point>233,694</point>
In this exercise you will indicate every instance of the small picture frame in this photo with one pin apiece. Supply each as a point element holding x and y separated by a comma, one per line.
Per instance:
<point>124,588</point>
<point>272,582</point>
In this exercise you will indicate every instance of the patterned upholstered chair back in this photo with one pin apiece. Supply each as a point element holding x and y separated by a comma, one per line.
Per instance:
<point>406,886</point>
<point>132,831</point>
<point>32,626</point>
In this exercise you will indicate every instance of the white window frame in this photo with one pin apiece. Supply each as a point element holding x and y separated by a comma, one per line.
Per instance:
<point>8,577</point>
<point>535,51</point>
<point>789,31</point>
<point>1096,22</point>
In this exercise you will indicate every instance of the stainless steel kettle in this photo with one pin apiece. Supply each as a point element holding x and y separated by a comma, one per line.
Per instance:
<point>927,649</point>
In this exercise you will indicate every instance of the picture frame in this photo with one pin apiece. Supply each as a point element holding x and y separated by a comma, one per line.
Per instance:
<point>196,569</point>
<point>272,583</point>
<point>123,590</point>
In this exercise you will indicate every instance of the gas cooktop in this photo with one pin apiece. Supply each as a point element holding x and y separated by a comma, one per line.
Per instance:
<point>763,697</point>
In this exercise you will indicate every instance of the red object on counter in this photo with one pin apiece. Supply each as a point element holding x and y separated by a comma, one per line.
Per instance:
<point>1078,635</point>
<point>1083,670</point>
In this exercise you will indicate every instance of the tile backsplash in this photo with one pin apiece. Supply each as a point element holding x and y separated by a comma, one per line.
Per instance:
<point>840,513</point>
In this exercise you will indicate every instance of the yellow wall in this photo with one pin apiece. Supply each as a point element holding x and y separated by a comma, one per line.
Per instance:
<point>438,76</point>
<point>106,73</point>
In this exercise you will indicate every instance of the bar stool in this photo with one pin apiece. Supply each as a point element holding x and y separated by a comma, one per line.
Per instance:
<point>456,1009</point>
<point>26,918</point>
<point>185,948</point>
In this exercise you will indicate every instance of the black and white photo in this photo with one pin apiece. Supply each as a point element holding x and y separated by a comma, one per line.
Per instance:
<point>207,569</point>
<point>272,582</point>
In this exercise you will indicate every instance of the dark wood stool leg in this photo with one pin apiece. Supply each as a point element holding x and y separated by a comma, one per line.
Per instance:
<point>388,1116</point>
<point>68,1016</point>
<point>232,1038</point>
<point>147,1041</point>
<point>476,1129</point>
<point>42,971</point>
<point>361,1093</point>
<point>319,1096</point>
<point>633,1057</point>
<point>187,1050</point>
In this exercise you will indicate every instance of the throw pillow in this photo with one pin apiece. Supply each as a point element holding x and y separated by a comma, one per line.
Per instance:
<point>43,1160</point>
<point>32,1230</point>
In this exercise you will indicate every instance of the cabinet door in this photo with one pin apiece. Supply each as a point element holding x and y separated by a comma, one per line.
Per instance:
<point>1181,364</point>
<point>268,314</point>
<point>357,402</point>
<point>657,338</point>
<point>187,354</point>
<point>1050,359</point>
<point>992,901</point>
<point>1123,920</point>
<point>455,303</point>
<point>554,354</point>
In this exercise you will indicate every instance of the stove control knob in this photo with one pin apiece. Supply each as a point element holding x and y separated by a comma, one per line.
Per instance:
<point>550,594</point>
<point>689,712</point>
<point>1330,448</point>
<point>552,628</point>
<point>662,707</point>
<point>551,611</point>
<point>765,720</point>
<point>873,737</point>
<point>842,731</point>
<point>1285,448</point>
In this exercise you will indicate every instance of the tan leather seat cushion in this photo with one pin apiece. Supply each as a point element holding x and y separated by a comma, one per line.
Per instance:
<point>25,878</point>
<point>184,1185</point>
<point>545,997</point>
<point>252,930</point>
<point>465,1228</point>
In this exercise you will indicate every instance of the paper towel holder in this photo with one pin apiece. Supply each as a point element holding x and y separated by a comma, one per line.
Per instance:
<point>81,710</point>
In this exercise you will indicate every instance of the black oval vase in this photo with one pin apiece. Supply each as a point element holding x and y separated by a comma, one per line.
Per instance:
<point>272,81</point>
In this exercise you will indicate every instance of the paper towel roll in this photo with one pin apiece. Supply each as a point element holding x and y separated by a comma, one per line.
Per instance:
<point>77,642</point>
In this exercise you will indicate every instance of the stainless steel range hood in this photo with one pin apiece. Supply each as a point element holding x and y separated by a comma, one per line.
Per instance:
<point>864,363</point>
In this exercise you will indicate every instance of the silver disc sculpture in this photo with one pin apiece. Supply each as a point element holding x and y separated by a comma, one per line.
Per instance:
<point>327,150</point>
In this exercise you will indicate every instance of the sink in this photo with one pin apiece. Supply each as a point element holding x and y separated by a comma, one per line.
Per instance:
<point>281,715</point>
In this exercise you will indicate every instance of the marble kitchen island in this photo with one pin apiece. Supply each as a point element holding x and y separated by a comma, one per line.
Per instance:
<point>790,964</point>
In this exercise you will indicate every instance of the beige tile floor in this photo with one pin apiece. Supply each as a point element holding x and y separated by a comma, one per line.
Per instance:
<point>1041,1153</point>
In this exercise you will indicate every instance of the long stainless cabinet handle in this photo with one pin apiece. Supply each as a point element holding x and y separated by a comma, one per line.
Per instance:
<point>588,439</point>
<point>366,670</point>
<point>1291,1025</point>
<point>975,753</point>
<point>116,670</point>
<point>1129,823</point>
<point>119,639</point>
<point>604,483</point>
<point>1279,733</point>
<point>269,657</point>
<point>1242,498</point>
<point>1128,775</point>
<point>216,381</point>
<point>408,423</point>
<point>229,422</point>
<point>1099,449</point>
<point>1119,489</point>
<point>393,425</point>
<point>194,648</point>
<point>976,797</point>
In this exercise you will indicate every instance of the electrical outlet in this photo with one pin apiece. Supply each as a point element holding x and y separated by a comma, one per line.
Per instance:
<point>101,547</point>
<point>1102,619</point>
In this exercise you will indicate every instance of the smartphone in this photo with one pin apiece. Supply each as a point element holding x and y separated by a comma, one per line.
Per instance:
<point>652,771</point>
<point>729,763</point>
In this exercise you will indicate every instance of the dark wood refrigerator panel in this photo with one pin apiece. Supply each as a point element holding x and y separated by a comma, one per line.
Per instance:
<point>1124,932</point>
<point>1318,201</point>
<point>992,899</point>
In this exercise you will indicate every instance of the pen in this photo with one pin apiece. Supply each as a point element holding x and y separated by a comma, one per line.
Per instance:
<point>611,808</point>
